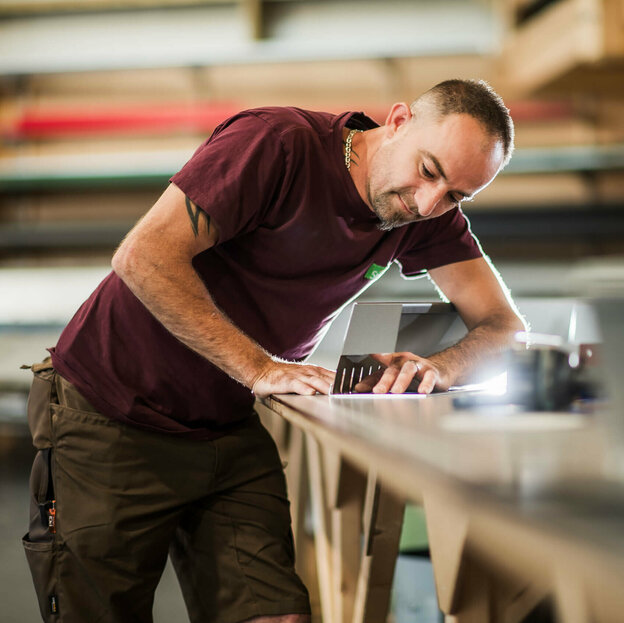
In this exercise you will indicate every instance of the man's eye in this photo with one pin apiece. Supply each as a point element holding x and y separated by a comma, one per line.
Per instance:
<point>427,172</point>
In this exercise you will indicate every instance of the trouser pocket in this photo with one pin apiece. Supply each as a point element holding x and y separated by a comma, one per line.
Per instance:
<point>42,559</point>
<point>40,543</point>
<point>42,526</point>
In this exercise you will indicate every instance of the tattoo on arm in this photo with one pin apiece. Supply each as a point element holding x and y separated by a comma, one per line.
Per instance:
<point>194,213</point>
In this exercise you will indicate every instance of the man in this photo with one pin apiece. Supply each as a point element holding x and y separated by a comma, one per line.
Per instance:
<point>144,417</point>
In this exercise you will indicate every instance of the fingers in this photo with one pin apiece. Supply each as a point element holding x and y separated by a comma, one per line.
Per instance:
<point>409,370</point>
<point>397,376</point>
<point>320,381</point>
<point>328,375</point>
<point>401,370</point>
<point>385,358</point>
<point>293,378</point>
<point>365,386</point>
<point>428,382</point>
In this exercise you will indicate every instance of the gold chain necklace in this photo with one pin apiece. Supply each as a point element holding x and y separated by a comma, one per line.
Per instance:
<point>348,142</point>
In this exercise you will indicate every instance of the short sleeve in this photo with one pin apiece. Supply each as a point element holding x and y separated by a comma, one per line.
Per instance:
<point>447,239</point>
<point>235,175</point>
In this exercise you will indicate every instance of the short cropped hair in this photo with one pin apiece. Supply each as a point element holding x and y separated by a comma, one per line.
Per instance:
<point>477,99</point>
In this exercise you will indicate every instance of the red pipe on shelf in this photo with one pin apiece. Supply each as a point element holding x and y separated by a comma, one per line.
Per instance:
<point>49,123</point>
<point>67,122</point>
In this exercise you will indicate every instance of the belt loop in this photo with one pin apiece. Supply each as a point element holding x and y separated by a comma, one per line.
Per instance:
<point>40,400</point>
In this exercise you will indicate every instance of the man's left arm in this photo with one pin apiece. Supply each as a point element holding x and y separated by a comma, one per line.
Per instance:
<point>486,308</point>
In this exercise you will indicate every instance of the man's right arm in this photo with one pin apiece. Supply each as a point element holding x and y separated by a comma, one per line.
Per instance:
<point>155,262</point>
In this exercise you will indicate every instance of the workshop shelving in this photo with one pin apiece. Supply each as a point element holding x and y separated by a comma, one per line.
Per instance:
<point>571,44</point>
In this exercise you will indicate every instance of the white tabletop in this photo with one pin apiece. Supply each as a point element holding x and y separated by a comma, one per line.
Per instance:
<point>493,444</point>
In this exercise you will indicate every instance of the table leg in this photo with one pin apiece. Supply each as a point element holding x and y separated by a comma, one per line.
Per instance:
<point>383,521</point>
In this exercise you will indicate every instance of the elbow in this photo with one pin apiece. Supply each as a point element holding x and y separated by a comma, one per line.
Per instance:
<point>519,323</point>
<point>118,261</point>
<point>124,262</point>
<point>506,323</point>
<point>515,324</point>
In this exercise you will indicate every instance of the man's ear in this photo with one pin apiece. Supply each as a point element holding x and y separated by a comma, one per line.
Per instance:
<point>399,114</point>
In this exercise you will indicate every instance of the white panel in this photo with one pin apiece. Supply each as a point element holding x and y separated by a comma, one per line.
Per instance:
<point>374,26</point>
<point>219,34</point>
<point>45,296</point>
<point>118,40</point>
<point>373,328</point>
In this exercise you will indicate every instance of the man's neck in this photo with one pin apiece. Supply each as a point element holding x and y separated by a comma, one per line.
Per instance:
<point>360,153</point>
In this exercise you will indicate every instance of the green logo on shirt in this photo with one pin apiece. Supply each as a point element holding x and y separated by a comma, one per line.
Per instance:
<point>374,271</point>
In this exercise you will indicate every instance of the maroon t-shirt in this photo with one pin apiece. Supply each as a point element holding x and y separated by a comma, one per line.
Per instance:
<point>295,244</point>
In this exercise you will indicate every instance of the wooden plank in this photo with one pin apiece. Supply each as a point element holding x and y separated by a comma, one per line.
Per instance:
<point>346,512</point>
<point>278,427</point>
<point>383,520</point>
<point>322,536</point>
<point>252,11</point>
<point>613,20</point>
<point>332,469</point>
<point>475,592</point>
<point>447,528</point>
<point>561,37</point>
<point>370,507</point>
<point>19,7</point>
<point>571,597</point>
<point>297,481</point>
<point>346,544</point>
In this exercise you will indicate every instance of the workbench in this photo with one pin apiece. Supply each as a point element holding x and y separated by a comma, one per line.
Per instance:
<point>519,506</point>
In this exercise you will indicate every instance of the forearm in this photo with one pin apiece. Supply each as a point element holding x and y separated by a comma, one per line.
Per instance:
<point>482,300</point>
<point>155,261</point>
<point>480,351</point>
<point>178,299</point>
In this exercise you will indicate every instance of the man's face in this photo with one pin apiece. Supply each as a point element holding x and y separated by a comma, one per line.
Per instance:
<point>426,166</point>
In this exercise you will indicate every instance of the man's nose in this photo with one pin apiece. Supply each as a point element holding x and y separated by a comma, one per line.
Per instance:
<point>428,198</point>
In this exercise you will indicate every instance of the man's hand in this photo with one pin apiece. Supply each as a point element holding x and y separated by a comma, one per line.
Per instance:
<point>292,378</point>
<point>401,369</point>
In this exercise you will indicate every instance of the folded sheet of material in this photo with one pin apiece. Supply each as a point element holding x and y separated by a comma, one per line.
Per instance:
<point>352,369</point>
<point>420,328</point>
